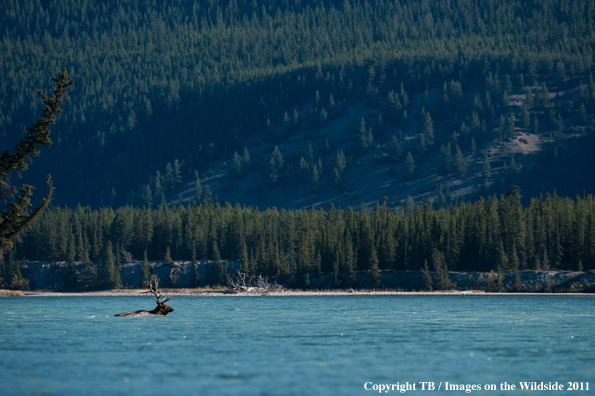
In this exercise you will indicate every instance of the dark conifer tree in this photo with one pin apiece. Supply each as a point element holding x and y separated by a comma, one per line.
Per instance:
<point>107,278</point>
<point>428,282</point>
<point>167,260</point>
<point>442,275</point>
<point>410,164</point>
<point>374,280</point>
<point>459,163</point>
<point>194,276</point>
<point>14,276</point>
<point>145,272</point>
<point>427,128</point>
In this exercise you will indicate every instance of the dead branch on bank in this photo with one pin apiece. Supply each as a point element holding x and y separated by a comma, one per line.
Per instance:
<point>240,283</point>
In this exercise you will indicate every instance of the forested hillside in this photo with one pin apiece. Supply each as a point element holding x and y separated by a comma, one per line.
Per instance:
<point>166,92</point>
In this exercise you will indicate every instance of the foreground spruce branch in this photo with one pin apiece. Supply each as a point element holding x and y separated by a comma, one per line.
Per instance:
<point>15,218</point>
<point>161,309</point>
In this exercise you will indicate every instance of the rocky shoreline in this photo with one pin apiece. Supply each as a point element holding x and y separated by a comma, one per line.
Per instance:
<point>48,276</point>
<point>291,293</point>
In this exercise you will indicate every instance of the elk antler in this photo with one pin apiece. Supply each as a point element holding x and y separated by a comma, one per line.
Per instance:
<point>156,292</point>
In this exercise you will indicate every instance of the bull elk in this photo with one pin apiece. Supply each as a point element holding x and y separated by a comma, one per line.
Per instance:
<point>161,309</point>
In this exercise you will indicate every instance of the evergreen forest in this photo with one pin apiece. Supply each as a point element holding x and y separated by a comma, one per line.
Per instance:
<point>494,234</point>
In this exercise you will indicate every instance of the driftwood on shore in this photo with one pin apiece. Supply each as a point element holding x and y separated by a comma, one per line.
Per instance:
<point>240,283</point>
<point>11,293</point>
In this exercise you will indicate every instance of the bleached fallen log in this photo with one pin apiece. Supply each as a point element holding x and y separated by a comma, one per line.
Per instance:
<point>240,283</point>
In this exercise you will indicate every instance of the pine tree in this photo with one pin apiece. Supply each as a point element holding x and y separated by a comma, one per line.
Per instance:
<point>295,119</point>
<point>167,260</point>
<point>215,254</point>
<point>500,279</point>
<point>277,156</point>
<point>236,164</point>
<point>459,163</point>
<point>106,274</point>
<point>505,100</point>
<point>147,196</point>
<point>582,113</point>
<point>425,101</point>
<point>427,276</point>
<point>410,164</point>
<point>442,277</point>
<point>197,189</point>
<point>323,117</point>
<point>168,177</point>
<point>88,279</point>
<point>514,260</point>
<point>269,127</point>
<point>394,105</point>
<point>502,128</point>
<point>244,261</point>
<point>275,164</point>
<point>218,271</point>
<point>331,104</point>
<point>177,174</point>
<point>245,159</point>
<point>374,280</point>
<point>490,282</point>
<point>145,272</point>
<point>194,276</point>
<point>347,264</point>
<point>340,161</point>
<point>366,137</point>
<point>395,150</point>
<point>543,97</point>
<point>71,249</point>
<point>404,96</point>
<point>514,267</point>
<point>525,118</point>
<point>320,167</point>
<point>14,275</point>
<point>273,177</point>
<point>510,129</point>
<point>314,176</point>
<point>119,257</point>
<point>445,98</point>
<point>446,159</point>
<point>307,282</point>
<point>427,128</point>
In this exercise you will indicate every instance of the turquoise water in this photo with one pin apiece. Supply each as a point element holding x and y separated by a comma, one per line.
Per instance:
<point>292,345</point>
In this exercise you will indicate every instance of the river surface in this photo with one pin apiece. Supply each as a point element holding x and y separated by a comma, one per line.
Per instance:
<point>299,345</point>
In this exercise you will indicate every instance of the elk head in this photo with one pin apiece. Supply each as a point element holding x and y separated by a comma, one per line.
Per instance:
<point>162,308</point>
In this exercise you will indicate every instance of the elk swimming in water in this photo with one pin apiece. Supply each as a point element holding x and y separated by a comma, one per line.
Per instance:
<point>161,309</point>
